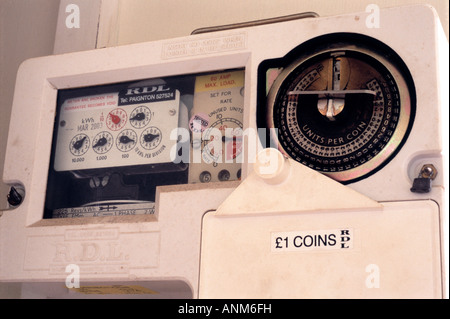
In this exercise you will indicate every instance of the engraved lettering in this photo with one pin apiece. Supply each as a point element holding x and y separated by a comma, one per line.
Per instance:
<point>90,251</point>
<point>62,253</point>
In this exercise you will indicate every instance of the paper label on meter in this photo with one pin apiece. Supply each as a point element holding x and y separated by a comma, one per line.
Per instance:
<point>130,127</point>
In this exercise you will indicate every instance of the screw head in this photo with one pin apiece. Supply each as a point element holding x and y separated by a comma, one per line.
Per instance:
<point>428,171</point>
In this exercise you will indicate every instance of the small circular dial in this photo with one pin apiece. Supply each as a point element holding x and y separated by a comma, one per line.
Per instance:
<point>342,111</point>
<point>140,117</point>
<point>126,140</point>
<point>116,119</point>
<point>79,144</point>
<point>222,141</point>
<point>150,138</point>
<point>102,142</point>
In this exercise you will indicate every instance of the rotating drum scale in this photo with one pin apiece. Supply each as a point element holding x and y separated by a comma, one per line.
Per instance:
<point>344,108</point>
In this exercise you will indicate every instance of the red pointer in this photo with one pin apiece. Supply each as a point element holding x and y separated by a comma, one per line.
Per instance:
<point>115,119</point>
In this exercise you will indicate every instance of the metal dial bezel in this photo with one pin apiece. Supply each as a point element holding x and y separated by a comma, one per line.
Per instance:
<point>406,108</point>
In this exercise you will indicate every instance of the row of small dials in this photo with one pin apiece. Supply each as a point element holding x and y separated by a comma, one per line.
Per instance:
<point>139,118</point>
<point>125,141</point>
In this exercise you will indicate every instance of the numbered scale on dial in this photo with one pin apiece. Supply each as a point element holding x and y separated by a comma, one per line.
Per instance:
<point>140,117</point>
<point>343,109</point>
<point>79,144</point>
<point>151,137</point>
<point>102,142</point>
<point>116,119</point>
<point>126,140</point>
<point>222,141</point>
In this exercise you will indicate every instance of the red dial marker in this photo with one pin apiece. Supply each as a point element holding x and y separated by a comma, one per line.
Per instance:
<point>115,119</point>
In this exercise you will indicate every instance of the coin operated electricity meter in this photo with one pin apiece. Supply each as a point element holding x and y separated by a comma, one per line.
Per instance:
<point>308,168</point>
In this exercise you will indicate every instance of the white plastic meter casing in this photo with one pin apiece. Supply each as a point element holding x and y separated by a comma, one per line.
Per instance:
<point>266,233</point>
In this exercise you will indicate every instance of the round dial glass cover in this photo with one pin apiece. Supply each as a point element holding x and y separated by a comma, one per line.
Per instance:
<point>342,111</point>
<point>126,140</point>
<point>150,138</point>
<point>79,144</point>
<point>102,142</point>
<point>140,117</point>
<point>116,119</point>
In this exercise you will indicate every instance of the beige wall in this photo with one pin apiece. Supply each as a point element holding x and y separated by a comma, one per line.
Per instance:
<point>27,29</point>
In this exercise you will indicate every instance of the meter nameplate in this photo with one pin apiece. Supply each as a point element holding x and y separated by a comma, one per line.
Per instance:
<point>131,127</point>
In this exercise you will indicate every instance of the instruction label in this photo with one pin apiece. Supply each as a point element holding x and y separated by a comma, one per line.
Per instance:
<point>334,239</point>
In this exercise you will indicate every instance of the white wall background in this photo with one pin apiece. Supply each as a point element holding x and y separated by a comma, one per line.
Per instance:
<point>158,19</point>
<point>31,28</point>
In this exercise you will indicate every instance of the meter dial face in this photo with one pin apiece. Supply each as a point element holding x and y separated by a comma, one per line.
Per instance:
<point>342,111</point>
<point>116,119</point>
<point>140,117</point>
<point>79,144</point>
<point>150,138</point>
<point>222,141</point>
<point>126,140</point>
<point>102,142</point>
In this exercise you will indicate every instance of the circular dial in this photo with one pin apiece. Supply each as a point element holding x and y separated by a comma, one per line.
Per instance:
<point>140,117</point>
<point>222,141</point>
<point>116,119</point>
<point>79,144</point>
<point>342,111</point>
<point>126,140</point>
<point>102,142</point>
<point>150,138</point>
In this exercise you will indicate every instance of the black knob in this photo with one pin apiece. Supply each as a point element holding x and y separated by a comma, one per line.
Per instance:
<point>13,197</point>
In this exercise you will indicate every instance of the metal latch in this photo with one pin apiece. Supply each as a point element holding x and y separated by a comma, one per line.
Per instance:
<point>422,184</point>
